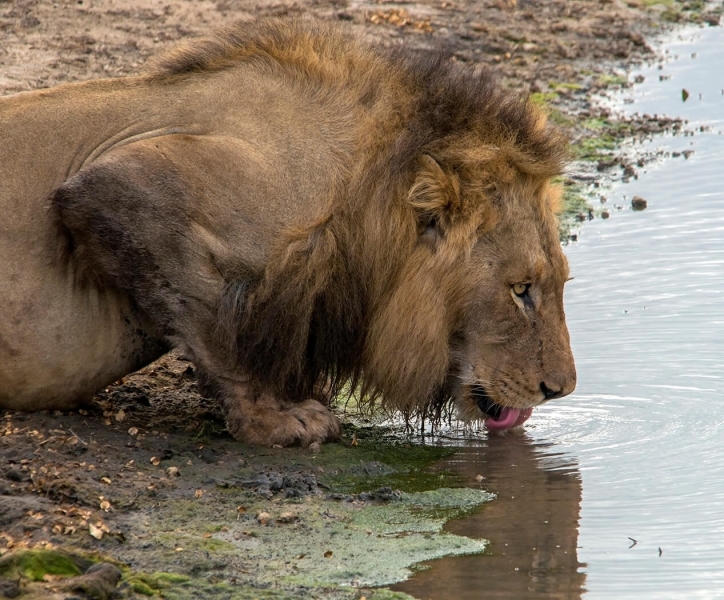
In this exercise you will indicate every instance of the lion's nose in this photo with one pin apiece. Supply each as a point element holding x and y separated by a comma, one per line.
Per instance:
<point>548,393</point>
<point>557,385</point>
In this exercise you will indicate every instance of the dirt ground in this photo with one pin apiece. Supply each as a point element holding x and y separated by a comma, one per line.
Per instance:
<point>146,483</point>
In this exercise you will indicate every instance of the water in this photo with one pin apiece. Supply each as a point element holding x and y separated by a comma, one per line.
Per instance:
<point>618,490</point>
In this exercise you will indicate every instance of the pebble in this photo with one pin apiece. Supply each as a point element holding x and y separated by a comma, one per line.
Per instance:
<point>638,203</point>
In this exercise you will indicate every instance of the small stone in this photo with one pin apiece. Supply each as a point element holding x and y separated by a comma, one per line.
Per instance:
<point>173,472</point>
<point>99,581</point>
<point>263,518</point>
<point>638,203</point>
<point>605,215</point>
<point>96,532</point>
<point>479,478</point>
<point>287,517</point>
<point>9,588</point>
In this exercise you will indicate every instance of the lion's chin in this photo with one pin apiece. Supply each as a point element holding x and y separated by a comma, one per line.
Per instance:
<point>498,418</point>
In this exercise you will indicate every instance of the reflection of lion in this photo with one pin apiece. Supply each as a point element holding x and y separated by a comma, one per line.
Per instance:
<point>298,212</point>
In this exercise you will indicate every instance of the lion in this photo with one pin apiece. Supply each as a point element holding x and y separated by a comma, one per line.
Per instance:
<point>300,213</point>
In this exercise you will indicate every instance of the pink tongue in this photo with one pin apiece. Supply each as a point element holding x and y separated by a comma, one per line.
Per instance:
<point>509,417</point>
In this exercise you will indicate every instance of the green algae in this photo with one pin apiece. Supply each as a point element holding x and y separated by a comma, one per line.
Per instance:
<point>608,80</point>
<point>328,545</point>
<point>565,85</point>
<point>374,463</point>
<point>34,565</point>
<point>333,546</point>
<point>175,586</point>
<point>414,480</point>
<point>543,98</point>
<point>171,587</point>
<point>348,543</point>
<point>186,543</point>
<point>422,512</point>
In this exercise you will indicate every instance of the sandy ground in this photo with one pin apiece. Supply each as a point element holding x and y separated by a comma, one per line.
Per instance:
<point>530,43</point>
<point>127,479</point>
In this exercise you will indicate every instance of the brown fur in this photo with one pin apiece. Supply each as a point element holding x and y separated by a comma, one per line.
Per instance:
<point>312,318</point>
<point>420,195</point>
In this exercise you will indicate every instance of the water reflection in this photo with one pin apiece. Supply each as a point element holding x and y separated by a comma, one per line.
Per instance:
<point>532,527</point>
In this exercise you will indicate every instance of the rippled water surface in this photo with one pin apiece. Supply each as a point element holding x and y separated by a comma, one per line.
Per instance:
<point>618,490</point>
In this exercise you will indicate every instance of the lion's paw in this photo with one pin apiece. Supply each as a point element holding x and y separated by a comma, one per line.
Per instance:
<point>268,422</point>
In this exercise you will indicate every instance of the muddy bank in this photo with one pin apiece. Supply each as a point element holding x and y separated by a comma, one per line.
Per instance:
<point>147,479</point>
<point>180,513</point>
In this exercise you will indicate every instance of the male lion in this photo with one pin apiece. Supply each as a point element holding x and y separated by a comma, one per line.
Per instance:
<point>298,212</point>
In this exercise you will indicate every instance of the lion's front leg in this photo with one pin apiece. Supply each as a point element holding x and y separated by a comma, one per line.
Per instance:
<point>261,419</point>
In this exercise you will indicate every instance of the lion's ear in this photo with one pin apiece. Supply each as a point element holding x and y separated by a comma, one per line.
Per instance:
<point>434,195</point>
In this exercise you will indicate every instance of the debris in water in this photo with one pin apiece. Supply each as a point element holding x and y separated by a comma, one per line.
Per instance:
<point>638,203</point>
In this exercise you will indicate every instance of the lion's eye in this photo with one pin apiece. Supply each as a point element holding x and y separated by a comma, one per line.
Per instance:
<point>428,231</point>
<point>521,289</point>
<point>431,225</point>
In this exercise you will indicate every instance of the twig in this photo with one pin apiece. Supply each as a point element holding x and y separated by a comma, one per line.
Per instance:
<point>77,437</point>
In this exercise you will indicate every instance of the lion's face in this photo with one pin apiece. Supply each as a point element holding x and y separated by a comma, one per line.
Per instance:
<point>512,348</point>
<point>477,308</point>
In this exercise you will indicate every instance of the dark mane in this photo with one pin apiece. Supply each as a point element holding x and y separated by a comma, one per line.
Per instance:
<point>303,326</point>
<point>450,97</point>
